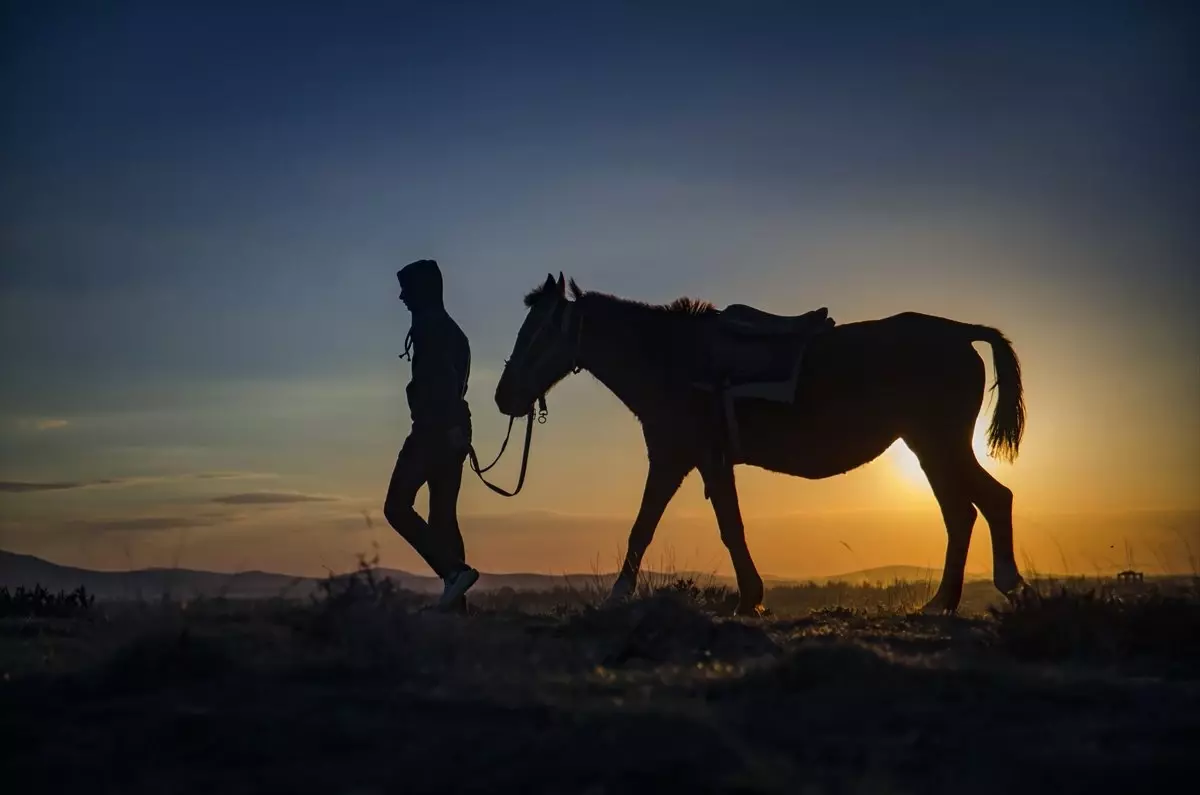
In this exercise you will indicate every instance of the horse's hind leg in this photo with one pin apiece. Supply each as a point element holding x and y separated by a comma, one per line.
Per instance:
<point>995,500</point>
<point>950,480</point>
<point>722,491</point>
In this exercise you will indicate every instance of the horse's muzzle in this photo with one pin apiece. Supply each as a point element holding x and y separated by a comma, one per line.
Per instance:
<point>511,408</point>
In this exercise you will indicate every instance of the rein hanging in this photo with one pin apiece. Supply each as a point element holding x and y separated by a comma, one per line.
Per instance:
<point>479,471</point>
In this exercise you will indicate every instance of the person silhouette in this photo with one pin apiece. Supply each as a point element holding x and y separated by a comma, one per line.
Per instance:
<point>440,436</point>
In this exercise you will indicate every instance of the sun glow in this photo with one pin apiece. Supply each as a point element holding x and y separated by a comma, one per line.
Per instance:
<point>906,466</point>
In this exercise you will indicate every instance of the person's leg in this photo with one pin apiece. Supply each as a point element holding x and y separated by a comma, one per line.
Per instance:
<point>411,472</point>
<point>445,482</point>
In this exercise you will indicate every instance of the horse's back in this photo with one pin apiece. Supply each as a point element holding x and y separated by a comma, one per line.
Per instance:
<point>891,350</point>
<point>903,329</point>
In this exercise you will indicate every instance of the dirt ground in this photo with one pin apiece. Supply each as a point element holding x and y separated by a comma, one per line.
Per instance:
<point>369,694</point>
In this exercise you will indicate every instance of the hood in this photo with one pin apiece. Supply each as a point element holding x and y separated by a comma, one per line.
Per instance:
<point>421,284</point>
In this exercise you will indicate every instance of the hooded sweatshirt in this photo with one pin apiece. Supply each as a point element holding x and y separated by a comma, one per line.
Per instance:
<point>441,353</point>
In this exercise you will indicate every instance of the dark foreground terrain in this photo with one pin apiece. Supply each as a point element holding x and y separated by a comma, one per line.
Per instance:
<point>361,691</point>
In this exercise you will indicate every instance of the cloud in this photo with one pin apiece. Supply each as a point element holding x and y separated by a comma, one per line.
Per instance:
<point>141,524</point>
<point>29,486</point>
<point>233,475</point>
<point>40,423</point>
<point>268,498</point>
<point>22,486</point>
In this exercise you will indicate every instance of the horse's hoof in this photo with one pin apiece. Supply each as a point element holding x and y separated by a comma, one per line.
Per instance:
<point>616,598</point>
<point>1011,584</point>
<point>937,607</point>
<point>1019,592</point>
<point>621,592</point>
<point>753,610</point>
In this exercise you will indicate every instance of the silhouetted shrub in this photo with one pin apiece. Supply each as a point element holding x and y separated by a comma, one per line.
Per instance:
<point>364,620</point>
<point>897,596</point>
<point>363,588</point>
<point>664,628</point>
<point>41,603</point>
<point>715,598</point>
<point>1103,625</point>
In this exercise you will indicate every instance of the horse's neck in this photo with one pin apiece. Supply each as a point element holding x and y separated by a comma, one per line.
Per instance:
<point>629,363</point>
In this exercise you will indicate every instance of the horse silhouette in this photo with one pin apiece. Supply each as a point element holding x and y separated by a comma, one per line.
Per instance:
<point>801,396</point>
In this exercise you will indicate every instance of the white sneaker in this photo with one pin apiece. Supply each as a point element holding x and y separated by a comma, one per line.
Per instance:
<point>457,584</point>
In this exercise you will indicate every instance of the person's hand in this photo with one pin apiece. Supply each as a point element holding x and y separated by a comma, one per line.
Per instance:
<point>456,438</point>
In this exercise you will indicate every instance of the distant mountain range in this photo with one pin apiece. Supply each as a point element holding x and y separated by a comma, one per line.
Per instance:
<point>17,570</point>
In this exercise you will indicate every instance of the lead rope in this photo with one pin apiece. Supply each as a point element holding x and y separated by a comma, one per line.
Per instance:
<point>541,418</point>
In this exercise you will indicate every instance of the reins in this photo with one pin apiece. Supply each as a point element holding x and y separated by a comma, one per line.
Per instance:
<point>541,418</point>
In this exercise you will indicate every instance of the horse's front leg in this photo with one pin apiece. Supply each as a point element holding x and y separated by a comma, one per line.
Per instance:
<point>722,492</point>
<point>663,479</point>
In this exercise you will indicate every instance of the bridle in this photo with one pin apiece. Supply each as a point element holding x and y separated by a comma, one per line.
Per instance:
<point>568,313</point>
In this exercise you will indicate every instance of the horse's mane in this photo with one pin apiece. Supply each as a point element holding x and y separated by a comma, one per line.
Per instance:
<point>685,306</point>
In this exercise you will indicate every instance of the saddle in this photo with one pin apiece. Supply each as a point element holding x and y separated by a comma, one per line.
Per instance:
<point>755,354</point>
<point>751,321</point>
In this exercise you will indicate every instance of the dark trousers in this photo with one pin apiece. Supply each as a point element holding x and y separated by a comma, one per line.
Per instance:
<point>427,457</point>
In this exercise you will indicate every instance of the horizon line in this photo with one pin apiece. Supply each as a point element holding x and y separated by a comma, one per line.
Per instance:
<point>980,573</point>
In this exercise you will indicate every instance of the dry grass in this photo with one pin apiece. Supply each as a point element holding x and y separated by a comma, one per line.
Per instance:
<point>364,689</point>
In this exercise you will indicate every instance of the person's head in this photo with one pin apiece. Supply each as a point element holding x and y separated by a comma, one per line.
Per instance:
<point>420,285</point>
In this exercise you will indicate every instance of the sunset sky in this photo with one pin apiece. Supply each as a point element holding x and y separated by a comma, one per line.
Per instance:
<point>202,212</point>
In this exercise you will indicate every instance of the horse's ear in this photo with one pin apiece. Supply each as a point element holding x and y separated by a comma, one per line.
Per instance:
<point>550,284</point>
<point>561,286</point>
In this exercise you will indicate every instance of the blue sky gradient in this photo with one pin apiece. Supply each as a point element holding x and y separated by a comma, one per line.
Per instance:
<point>203,207</point>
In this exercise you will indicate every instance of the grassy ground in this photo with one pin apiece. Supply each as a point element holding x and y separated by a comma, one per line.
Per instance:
<point>361,691</point>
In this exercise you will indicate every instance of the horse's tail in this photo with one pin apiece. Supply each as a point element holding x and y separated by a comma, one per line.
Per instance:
<point>1008,418</point>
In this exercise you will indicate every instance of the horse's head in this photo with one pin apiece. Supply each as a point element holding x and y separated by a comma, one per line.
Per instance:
<point>546,349</point>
